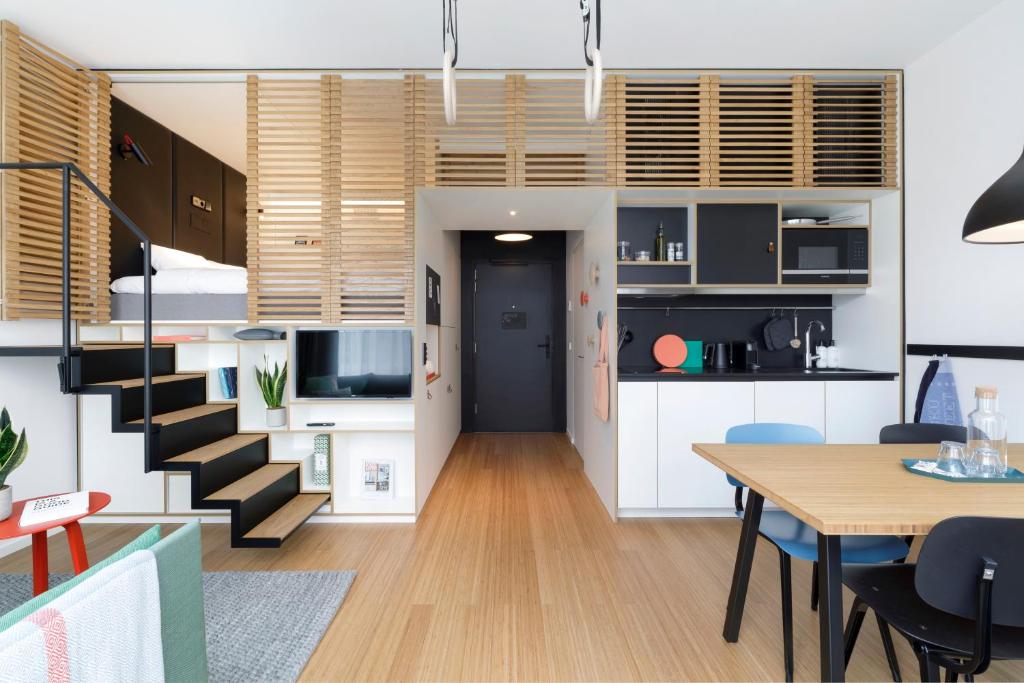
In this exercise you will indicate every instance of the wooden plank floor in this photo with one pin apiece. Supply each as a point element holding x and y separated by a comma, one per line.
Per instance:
<point>515,572</point>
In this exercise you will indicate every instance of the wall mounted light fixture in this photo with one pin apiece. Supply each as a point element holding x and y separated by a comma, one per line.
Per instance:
<point>129,148</point>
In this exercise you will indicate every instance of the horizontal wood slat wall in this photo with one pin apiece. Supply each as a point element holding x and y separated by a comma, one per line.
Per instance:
<point>53,110</point>
<point>331,199</point>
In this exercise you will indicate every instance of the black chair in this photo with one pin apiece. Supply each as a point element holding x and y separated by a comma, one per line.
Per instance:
<point>960,606</point>
<point>920,432</point>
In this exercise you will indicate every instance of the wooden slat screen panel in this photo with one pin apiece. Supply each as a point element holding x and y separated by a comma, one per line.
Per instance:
<point>658,131</point>
<point>477,150</point>
<point>331,199</point>
<point>288,248</point>
<point>554,143</point>
<point>752,133</point>
<point>854,131</point>
<point>53,110</point>
<point>372,177</point>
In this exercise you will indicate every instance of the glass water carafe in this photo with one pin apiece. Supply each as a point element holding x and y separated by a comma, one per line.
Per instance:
<point>986,435</point>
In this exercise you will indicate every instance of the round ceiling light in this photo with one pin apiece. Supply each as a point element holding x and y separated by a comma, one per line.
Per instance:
<point>513,237</point>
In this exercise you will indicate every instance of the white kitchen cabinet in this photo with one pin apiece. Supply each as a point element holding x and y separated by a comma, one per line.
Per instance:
<point>856,411</point>
<point>690,412</point>
<point>638,444</point>
<point>799,402</point>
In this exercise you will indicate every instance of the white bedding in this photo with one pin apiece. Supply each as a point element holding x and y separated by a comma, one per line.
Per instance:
<point>220,280</point>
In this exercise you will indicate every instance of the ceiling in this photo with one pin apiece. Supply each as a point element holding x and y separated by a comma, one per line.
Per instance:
<point>525,34</point>
<point>487,208</point>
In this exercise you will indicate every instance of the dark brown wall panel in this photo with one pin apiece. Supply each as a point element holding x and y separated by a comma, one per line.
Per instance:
<point>234,216</point>
<point>197,174</point>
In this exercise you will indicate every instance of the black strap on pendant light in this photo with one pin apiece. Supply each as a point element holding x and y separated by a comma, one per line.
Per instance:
<point>589,13</point>
<point>450,27</point>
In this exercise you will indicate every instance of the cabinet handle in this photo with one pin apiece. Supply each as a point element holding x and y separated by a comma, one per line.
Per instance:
<point>771,247</point>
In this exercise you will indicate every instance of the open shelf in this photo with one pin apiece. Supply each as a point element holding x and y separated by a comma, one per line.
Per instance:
<point>348,453</point>
<point>655,263</point>
<point>252,415</point>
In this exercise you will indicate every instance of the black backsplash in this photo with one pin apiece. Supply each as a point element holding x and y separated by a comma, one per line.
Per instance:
<point>729,322</point>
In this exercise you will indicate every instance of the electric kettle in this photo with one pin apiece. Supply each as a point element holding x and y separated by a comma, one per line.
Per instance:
<point>718,356</point>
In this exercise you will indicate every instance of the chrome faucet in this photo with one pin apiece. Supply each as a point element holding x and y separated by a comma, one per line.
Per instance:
<point>810,357</point>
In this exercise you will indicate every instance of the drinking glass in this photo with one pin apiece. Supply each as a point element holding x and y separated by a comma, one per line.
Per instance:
<point>951,458</point>
<point>987,463</point>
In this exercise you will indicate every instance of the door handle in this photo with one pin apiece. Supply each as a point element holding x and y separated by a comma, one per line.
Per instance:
<point>546,346</point>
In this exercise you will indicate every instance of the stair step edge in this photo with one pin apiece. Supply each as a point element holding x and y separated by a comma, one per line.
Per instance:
<point>218,449</point>
<point>253,483</point>
<point>186,414</point>
<point>157,379</point>
<point>289,517</point>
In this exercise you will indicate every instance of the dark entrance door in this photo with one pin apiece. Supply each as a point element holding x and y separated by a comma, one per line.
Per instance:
<point>515,347</point>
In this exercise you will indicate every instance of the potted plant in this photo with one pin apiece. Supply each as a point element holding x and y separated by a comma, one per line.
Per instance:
<point>272,387</point>
<point>13,449</point>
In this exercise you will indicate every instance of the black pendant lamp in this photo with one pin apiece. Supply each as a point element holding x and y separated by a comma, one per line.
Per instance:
<point>997,217</point>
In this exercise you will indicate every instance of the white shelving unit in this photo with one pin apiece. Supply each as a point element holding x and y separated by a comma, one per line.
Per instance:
<point>362,430</point>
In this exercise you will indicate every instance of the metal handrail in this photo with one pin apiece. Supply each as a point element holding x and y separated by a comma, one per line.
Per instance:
<point>68,169</point>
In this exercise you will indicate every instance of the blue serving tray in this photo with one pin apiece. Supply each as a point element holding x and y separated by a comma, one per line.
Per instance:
<point>1013,476</point>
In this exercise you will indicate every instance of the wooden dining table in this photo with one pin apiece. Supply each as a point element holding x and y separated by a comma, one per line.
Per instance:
<point>846,490</point>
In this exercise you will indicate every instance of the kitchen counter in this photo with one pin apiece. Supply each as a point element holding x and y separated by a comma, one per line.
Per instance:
<point>653,374</point>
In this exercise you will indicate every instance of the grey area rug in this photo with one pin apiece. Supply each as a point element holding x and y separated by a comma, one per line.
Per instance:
<point>260,626</point>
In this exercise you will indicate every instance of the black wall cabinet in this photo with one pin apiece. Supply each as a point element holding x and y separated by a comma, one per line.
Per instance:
<point>737,244</point>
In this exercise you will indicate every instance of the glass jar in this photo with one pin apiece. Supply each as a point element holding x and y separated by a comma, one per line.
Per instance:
<point>625,251</point>
<point>986,435</point>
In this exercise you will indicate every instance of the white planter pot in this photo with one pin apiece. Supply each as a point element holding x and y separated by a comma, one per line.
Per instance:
<point>277,417</point>
<point>6,501</point>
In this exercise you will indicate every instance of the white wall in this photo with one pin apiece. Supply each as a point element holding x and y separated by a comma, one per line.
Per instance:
<point>439,417</point>
<point>30,390</point>
<point>599,441</point>
<point>964,125</point>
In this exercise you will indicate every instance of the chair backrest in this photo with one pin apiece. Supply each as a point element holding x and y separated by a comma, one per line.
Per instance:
<point>921,432</point>
<point>771,432</point>
<point>951,560</point>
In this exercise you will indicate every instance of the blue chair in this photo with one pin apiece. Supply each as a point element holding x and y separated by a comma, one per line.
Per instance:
<point>794,539</point>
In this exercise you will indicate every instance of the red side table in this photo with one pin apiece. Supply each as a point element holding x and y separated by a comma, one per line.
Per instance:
<point>9,528</point>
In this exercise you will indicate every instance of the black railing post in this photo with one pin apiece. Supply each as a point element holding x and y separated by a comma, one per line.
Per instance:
<point>147,348</point>
<point>65,357</point>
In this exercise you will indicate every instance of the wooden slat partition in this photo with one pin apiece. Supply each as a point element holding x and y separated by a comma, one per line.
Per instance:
<point>854,139</point>
<point>477,149</point>
<point>752,133</point>
<point>331,199</point>
<point>53,110</point>
<point>288,245</point>
<point>372,174</point>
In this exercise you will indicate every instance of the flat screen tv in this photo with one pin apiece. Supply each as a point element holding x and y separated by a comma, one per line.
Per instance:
<point>353,363</point>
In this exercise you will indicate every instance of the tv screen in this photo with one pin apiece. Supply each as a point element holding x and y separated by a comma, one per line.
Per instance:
<point>353,363</point>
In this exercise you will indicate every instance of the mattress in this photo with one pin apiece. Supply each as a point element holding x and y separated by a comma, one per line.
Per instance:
<point>221,280</point>
<point>181,307</point>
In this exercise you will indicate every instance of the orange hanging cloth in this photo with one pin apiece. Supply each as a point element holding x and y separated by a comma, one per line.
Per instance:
<point>600,372</point>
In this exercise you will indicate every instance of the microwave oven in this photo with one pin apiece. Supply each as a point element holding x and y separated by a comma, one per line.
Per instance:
<point>836,256</point>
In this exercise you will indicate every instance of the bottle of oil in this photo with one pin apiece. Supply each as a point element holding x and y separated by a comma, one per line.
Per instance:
<point>660,249</point>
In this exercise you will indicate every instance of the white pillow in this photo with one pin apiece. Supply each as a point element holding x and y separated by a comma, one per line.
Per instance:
<point>164,258</point>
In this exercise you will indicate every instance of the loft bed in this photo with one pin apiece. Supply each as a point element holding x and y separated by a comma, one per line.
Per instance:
<point>186,287</point>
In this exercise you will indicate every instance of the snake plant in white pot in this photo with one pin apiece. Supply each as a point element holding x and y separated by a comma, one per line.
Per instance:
<point>272,387</point>
<point>13,449</point>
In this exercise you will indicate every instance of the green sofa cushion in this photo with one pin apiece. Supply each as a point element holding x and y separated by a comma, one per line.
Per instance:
<point>146,540</point>
<point>182,622</point>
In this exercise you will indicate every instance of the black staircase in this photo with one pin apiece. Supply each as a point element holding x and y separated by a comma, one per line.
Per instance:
<point>182,431</point>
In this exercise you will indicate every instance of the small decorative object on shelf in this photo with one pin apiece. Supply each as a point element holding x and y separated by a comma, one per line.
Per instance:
<point>378,478</point>
<point>321,460</point>
<point>272,387</point>
<point>13,449</point>
<point>258,334</point>
<point>228,382</point>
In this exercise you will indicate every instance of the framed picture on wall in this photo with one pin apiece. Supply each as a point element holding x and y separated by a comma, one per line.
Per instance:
<point>378,479</point>
<point>433,290</point>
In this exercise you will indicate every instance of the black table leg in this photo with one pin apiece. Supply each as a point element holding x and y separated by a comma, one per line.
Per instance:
<point>744,561</point>
<point>830,608</point>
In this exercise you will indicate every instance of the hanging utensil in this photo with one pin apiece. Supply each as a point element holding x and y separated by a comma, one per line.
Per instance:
<point>795,341</point>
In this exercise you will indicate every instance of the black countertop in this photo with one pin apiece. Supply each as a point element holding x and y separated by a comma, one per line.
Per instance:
<point>653,374</point>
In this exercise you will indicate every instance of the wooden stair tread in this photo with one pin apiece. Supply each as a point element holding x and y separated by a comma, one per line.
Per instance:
<point>253,483</point>
<point>157,379</point>
<point>212,451</point>
<point>289,517</point>
<point>188,413</point>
